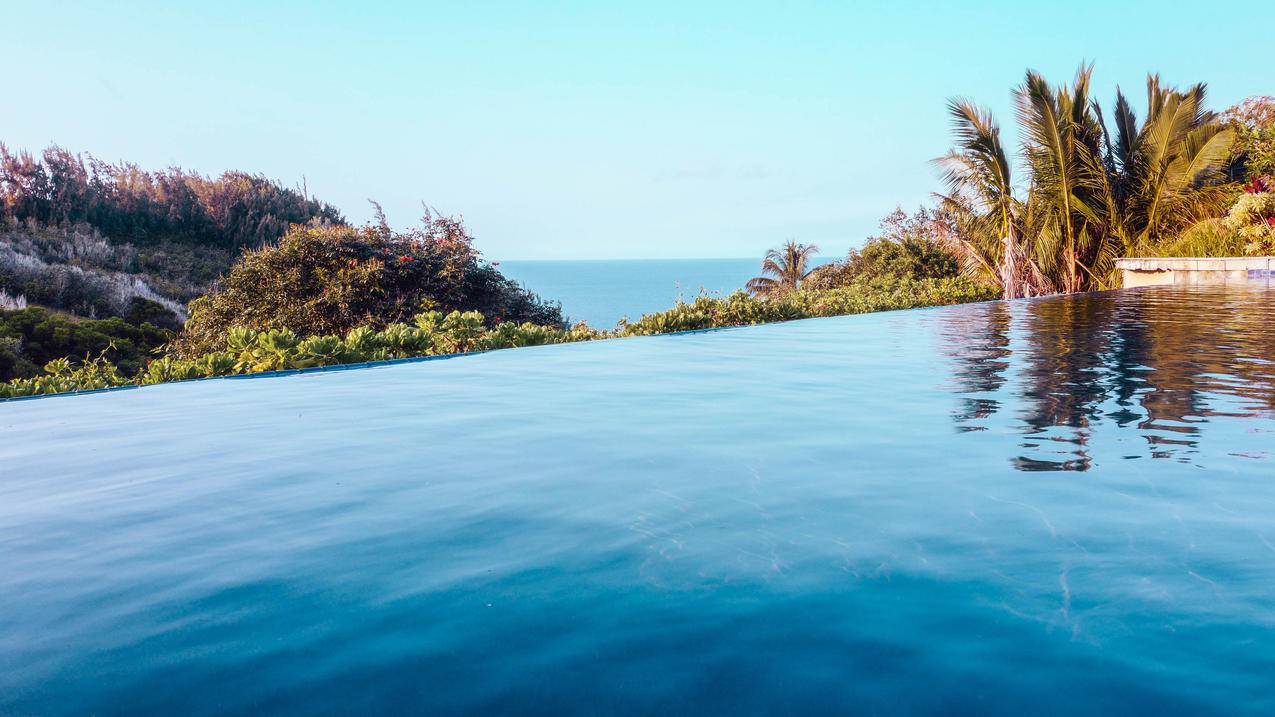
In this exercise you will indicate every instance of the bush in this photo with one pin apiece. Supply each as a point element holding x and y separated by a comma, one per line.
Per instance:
<point>144,311</point>
<point>30,338</point>
<point>1252,217</point>
<point>1248,228</point>
<point>906,248</point>
<point>327,280</point>
<point>1209,238</point>
<point>862,296</point>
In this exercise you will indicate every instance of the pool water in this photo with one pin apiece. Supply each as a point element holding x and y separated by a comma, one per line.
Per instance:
<point>1057,505</point>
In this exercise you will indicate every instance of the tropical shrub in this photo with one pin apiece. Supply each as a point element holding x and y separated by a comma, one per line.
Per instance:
<point>1252,217</point>
<point>144,311</point>
<point>1248,227</point>
<point>12,363</point>
<point>1209,238</point>
<point>327,280</point>
<point>62,376</point>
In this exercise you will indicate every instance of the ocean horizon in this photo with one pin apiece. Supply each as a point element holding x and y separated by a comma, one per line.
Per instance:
<point>600,292</point>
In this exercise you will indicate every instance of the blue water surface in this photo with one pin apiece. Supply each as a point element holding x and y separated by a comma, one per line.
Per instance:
<point>1062,505</point>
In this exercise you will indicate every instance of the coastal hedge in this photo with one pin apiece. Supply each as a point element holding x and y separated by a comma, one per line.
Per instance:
<point>243,350</point>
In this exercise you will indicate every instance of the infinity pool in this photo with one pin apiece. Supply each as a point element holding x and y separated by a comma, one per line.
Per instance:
<point>1064,505</point>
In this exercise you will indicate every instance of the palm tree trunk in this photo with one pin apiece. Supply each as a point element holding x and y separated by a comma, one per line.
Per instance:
<point>1071,266</point>
<point>1009,266</point>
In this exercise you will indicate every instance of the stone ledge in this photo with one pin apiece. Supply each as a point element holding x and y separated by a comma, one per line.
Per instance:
<point>1220,263</point>
<point>1154,271</point>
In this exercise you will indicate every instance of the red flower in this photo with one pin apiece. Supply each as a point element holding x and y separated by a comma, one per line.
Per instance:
<point>498,319</point>
<point>1258,185</point>
<point>406,258</point>
<point>1270,221</point>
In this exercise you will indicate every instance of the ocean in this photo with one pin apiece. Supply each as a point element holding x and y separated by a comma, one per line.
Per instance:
<point>601,292</point>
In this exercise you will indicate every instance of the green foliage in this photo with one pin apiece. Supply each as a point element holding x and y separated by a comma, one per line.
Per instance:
<point>876,294</point>
<point>12,363</point>
<point>30,338</point>
<point>1255,150</point>
<point>244,350</point>
<point>908,247</point>
<point>328,280</point>
<point>61,376</point>
<point>144,311</point>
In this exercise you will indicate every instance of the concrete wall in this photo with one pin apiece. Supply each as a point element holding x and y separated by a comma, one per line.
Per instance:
<point>1221,270</point>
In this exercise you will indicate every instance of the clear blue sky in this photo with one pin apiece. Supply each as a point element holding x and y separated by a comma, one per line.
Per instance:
<point>583,130</point>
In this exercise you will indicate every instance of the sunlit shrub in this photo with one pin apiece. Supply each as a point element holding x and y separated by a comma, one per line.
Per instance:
<point>330,280</point>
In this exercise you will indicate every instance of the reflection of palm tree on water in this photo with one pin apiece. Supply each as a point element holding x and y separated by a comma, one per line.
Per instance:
<point>1150,360</point>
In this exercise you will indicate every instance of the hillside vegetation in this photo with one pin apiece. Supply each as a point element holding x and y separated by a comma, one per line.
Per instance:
<point>87,236</point>
<point>113,261</point>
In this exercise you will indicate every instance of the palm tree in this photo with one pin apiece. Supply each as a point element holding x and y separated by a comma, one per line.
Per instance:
<point>1062,146</point>
<point>978,177</point>
<point>1089,197</point>
<point>783,269</point>
<point>1166,173</point>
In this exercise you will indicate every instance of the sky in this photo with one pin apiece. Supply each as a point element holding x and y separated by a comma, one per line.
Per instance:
<point>584,130</point>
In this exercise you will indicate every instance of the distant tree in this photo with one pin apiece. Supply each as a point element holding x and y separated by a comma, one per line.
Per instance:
<point>129,204</point>
<point>783,269</point>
